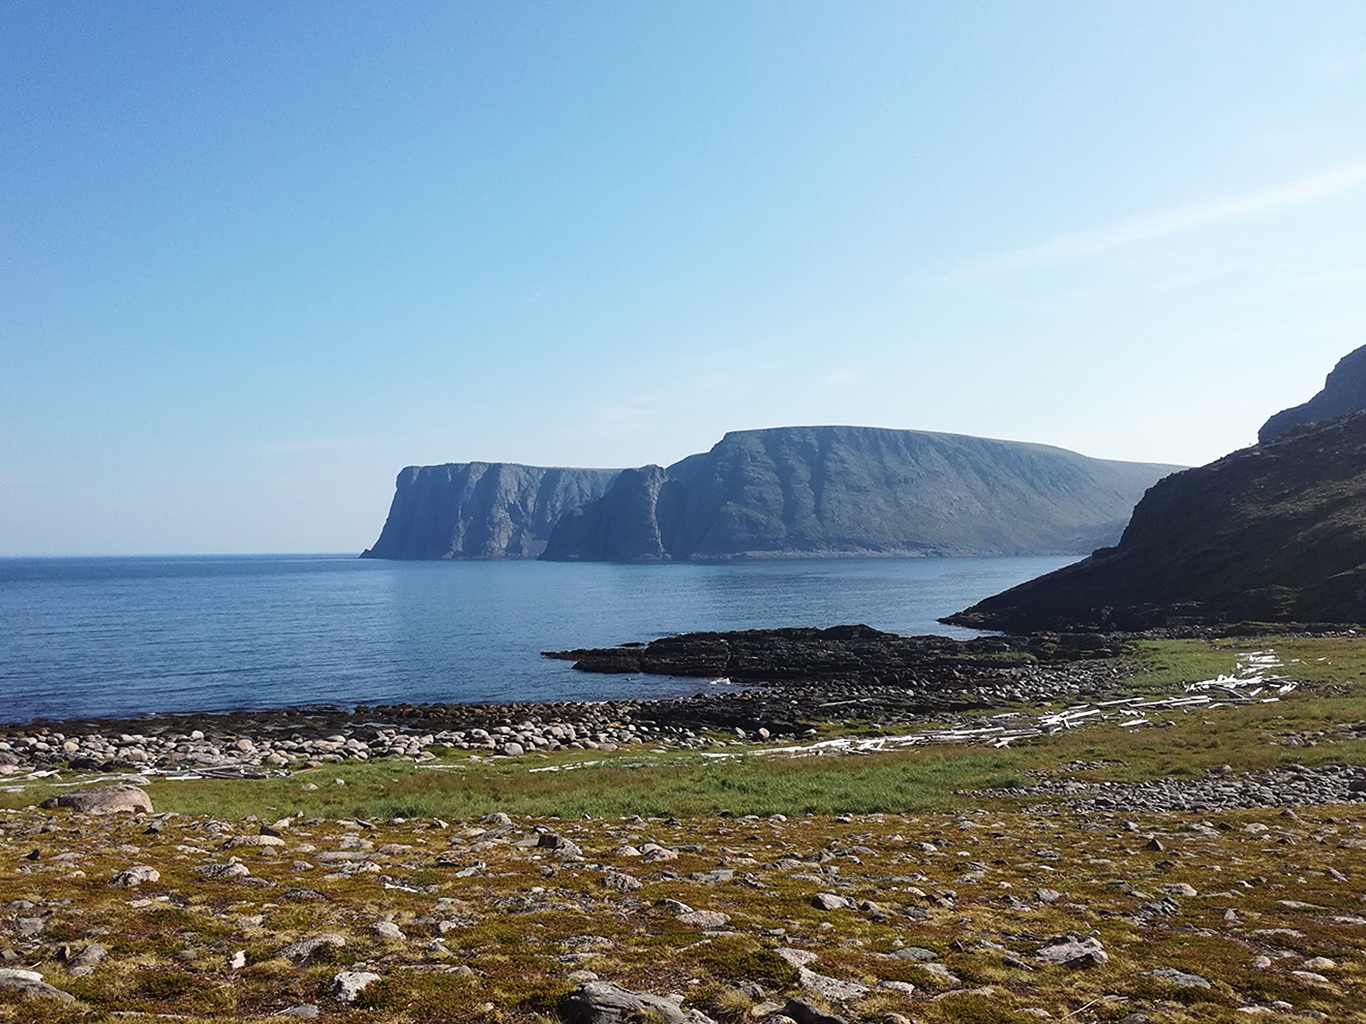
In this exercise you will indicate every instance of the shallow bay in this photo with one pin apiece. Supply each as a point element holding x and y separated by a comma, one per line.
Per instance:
<point>104,637</point>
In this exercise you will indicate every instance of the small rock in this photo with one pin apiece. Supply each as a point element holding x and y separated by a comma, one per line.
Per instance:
<point>135,876</point>
<point>708,920</point>
<point>387,930</point>
<point>829,901</point>
<point>222,872</point>
<point>830,988</point>
<point>1073,950</point>
<point>620,882</point>
<point>305,948</point>
<point>797,957</point>
<point>1178,978</point>
<point>348,985</point>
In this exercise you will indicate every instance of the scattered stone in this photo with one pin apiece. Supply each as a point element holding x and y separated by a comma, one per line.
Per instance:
<point>709,920</point>
<point>304,1011</point>
<point>829,901</point>
<point>600,1002</point>
<point>1073,950</point>
<point>1178,978</point>
<point>796,957</point>
<point>305,948</point>
<point>131,877</point>
<point>348,985</point>
<point>222,872</point>
<point>830,988</point>
<point>622,883</point>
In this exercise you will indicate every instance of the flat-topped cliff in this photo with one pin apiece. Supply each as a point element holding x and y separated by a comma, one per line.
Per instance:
<point>834,490</point>
<point>786,492</point>
<point>481,509</point>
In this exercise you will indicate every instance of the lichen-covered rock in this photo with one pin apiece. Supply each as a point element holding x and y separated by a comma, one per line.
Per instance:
<point>135,876</point>
<point>600,1002</point>
<point>1073,950</point>
<point>348,985</point>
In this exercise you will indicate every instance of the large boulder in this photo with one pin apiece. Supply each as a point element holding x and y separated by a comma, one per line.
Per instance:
<point>601,1002</point>
<point>103,800</point>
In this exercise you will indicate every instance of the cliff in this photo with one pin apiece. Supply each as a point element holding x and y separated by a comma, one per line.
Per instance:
<point>827,491</point>
<point>481,510</point>
<point>1343,392</point>
<point>1272,533</point>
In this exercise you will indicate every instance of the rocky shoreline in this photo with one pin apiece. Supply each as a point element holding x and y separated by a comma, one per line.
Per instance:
<point>791,683</point>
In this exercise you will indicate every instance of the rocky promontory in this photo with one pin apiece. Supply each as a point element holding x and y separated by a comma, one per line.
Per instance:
<point>786,492</point>
<point>1344,392</point>
<point>1272,533</point>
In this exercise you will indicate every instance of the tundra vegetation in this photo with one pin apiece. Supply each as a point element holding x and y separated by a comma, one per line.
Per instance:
<point>921,884</point>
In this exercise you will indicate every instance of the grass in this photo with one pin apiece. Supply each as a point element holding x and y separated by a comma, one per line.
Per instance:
<point>518,922</point>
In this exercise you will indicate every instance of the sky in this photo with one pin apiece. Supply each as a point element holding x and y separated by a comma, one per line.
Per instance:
<point>256,257</point>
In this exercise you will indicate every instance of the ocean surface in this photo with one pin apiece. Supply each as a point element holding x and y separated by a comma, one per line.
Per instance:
<point>109,637</point>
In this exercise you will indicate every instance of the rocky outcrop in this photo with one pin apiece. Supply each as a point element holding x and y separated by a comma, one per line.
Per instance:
<point>1344,392</point>
<point>1272,533</point>
<point>832,491</point>
<point>482,510</point>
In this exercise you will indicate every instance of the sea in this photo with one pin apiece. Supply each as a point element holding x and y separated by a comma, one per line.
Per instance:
<point>127,637</point>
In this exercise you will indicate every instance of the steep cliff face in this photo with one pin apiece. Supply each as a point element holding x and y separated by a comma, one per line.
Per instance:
<point>823,491</point>
<point>482,510</point>
<point>1273,533</point>
<point>1343,392</point>
<point>621,526</point>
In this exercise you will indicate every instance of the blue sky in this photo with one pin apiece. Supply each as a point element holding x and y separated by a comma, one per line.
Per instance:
<point>257,257</point>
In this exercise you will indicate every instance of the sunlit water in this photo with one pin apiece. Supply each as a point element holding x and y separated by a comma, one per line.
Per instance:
<point>101,637</point>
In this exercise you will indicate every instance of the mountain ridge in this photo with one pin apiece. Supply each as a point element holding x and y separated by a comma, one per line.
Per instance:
<point>778,492</point>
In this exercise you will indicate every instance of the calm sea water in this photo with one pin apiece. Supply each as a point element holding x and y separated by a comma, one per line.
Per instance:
<point>103,637</point>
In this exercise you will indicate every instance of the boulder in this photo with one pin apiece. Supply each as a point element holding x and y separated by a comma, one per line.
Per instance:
<point>348,985</point>
<point>1073,950</point>
<point>135,876</point>
<point>103,800</point>
<point>600,1002</point>
<point>30,984</point>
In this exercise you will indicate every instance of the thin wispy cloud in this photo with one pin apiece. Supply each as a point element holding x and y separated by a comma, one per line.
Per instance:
<point>1074,245</point>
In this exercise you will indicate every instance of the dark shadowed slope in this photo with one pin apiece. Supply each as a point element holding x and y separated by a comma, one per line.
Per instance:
<point>1272,533</point>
